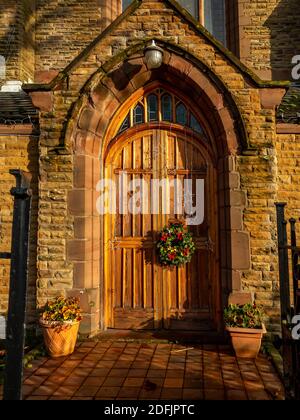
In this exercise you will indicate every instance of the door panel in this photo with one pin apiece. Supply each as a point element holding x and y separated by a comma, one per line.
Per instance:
<point>142,294</point>
<point>136,298</point>
<point>186,289</point>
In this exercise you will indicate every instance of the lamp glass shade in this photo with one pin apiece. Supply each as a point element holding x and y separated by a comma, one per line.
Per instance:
<point>153,56</point>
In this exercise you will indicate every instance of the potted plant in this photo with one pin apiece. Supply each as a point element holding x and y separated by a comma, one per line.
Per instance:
<point>245,326</point>
<point>60,319</point>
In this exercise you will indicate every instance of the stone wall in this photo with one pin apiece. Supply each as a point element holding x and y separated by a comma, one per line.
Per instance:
<point>17,20</point>
<point>282,183</point>
<point>258,178</point>
<point>17,151</point>
<point>288,157</point>
<point>88,111</point>
<point>43,35</point>
<point>8,37</point>
<point>75,115</point>
<point>55,275</point>
<point>65,27</point>
<point>58,30</point>
<point>269,36</point>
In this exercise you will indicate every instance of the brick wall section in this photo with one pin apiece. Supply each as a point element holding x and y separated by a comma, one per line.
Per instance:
<point>288,156</point>
<point>259,182</point>
<point>17,21</point>
<point>269,36</point>
<point>9,37</point>
<point>258,176</point>
<point>268,31</point>
<point>288,179</point>
<point>65,27</point>
<point>55,226</point>
<point>27,36</point>
<point>17,152</point>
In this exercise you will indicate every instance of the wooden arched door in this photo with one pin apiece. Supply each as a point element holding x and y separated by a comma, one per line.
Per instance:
<point>139,293</point>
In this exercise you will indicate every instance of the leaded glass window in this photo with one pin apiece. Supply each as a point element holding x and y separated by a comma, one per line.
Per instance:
<point>162,106</point>
<point>125,124</point>
<point>194,124</point>
<point>214,18</point>
<point>181,114</point>
<point>152,108</point>
<point>138,114</point>
<point>166,106</point>
<point>192,6</point>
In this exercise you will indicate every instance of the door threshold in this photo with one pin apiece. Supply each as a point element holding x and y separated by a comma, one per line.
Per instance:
<point>163,336</point>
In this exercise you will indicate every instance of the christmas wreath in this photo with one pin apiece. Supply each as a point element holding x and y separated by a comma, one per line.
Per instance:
<point>175,245</point>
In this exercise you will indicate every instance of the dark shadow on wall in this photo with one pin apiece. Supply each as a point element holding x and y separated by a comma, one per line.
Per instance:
<point>53,27</point>
<point>32,167</point>
<point>30,149</point>
<point>57,29</point>
<point>17,35</point>
<point>284,26</point>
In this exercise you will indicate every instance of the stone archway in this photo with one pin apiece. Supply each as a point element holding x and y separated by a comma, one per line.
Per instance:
<point>108,95</point>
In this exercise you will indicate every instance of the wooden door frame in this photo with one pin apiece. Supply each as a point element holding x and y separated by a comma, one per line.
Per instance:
<point>198,141</point>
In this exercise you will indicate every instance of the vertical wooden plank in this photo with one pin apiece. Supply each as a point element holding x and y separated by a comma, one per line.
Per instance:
<point>214,254</point>
<point>182,291</point>
<point>171,165</point>
<point>137,165</point>
<point>124,273</point>
<point>127,278</point>
<point>199,162</point>
<point>147,165</point>
<point>190,165</point>
<point>117,287</point>
<point>136,224</point>
<point>108,310</point>
<point>127,164</point>
<point>204,279</point>
<point>138,279</point>
<point>200,280</point>
<point>166,163</point>
<point>194,288</point>
<point>188,287</point>
<point>147,225</point>
<point>118,217</point>
<point>173,288</point>
<point>148,279</point>
<point>179,154</point>
<point>157,224</point>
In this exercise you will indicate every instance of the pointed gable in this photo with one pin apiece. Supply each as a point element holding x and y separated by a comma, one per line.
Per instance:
<point>168,22</point>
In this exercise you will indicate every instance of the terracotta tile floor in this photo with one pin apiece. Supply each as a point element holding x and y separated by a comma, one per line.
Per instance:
<point>128,370</point>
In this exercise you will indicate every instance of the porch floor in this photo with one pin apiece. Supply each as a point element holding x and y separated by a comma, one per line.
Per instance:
<point>129,370</point>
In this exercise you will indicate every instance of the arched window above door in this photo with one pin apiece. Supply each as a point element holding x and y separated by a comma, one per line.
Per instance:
<point>160,106</point>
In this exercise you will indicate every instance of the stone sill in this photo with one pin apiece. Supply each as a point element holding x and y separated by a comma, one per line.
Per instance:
<point>18,129</point>
<point>288,128</point>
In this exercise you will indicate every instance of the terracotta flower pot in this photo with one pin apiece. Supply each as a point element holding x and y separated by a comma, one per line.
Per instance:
<point>60,338</point>
<point>246,342</point>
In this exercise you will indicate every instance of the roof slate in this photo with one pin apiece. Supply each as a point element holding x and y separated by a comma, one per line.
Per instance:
<point>289,110</point>
<point>16,107</point>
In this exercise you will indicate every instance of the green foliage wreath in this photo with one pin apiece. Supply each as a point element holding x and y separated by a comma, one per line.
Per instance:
<point>175,245</point>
